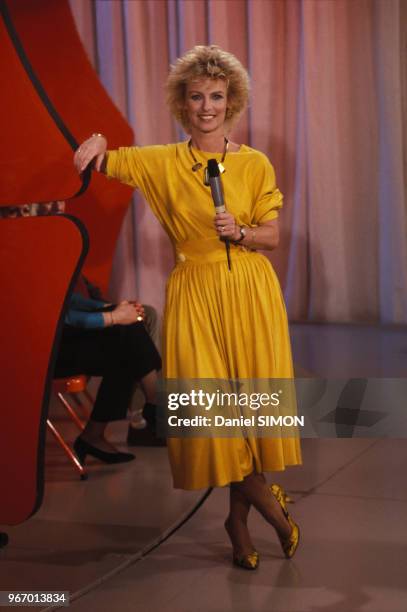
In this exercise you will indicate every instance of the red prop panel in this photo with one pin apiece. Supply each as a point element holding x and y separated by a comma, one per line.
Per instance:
<point>47,31</point>
<point>35,158</point>
<point>40,258</point>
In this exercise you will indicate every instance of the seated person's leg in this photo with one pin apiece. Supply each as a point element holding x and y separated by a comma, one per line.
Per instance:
<point>121,355</point>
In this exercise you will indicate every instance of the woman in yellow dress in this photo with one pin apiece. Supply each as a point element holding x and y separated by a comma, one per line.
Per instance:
<point>219,323</point>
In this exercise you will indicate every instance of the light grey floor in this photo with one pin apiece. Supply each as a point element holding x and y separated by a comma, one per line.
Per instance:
<point>350,501</point>
<point>353,553</point>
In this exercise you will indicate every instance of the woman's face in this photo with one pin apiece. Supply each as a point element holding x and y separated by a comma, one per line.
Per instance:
<point>206,104</point>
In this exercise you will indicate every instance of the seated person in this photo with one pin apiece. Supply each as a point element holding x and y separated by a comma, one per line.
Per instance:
<point>110,341</point>
<point>140,433</point>
<point>123,355</point>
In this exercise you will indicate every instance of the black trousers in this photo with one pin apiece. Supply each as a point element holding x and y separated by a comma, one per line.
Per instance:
<point>121,355</point>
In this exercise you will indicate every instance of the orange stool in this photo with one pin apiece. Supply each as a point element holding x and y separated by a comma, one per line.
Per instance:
<point>72,385</point>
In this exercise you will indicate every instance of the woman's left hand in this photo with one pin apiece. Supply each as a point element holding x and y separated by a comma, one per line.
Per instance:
<point>225,226</point>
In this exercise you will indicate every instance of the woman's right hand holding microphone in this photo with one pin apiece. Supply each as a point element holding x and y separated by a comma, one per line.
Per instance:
<point>92,149</point>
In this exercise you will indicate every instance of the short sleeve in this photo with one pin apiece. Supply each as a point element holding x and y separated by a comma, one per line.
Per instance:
<point>140,167</point>
<point>122,164</point>
<point>268,199</point>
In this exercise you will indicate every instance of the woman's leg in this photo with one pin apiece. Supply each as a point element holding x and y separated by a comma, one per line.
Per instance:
<point>94,434</point>
<point>149,386</point>
<point>236,523</point>
<point>255,491</point>
<point>111,404</point>
<point>147,436</point>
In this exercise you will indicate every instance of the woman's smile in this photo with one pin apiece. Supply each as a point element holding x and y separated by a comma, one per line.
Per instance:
<point>206,104</point>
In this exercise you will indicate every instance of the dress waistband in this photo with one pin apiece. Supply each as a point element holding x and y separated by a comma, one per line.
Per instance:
<point>206,250</point>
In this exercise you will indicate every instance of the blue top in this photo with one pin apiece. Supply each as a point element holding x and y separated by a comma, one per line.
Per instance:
<point>82,313</point>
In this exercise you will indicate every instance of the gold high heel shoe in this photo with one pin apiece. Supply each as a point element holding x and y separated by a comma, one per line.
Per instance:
<point>281,495</point>
<point>290,544</point>
<point>247,562</point>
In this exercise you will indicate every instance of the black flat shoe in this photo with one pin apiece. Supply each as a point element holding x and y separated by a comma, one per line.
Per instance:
<point>82,449</point>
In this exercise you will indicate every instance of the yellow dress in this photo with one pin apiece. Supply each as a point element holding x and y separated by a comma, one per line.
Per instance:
<point>217,324</point>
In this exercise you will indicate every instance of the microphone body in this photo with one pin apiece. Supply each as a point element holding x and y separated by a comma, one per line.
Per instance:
<point>215,183</point>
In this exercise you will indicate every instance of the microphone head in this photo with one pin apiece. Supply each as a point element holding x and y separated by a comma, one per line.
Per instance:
<point>213,168</point>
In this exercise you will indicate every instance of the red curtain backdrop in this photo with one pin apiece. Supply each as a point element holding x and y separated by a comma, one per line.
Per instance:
<point>328,100</point>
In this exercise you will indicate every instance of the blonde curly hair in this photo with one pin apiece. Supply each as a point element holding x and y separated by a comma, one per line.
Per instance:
<point>208,62</point>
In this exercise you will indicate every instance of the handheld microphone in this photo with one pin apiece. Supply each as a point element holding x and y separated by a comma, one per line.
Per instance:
<point>215,183</point>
